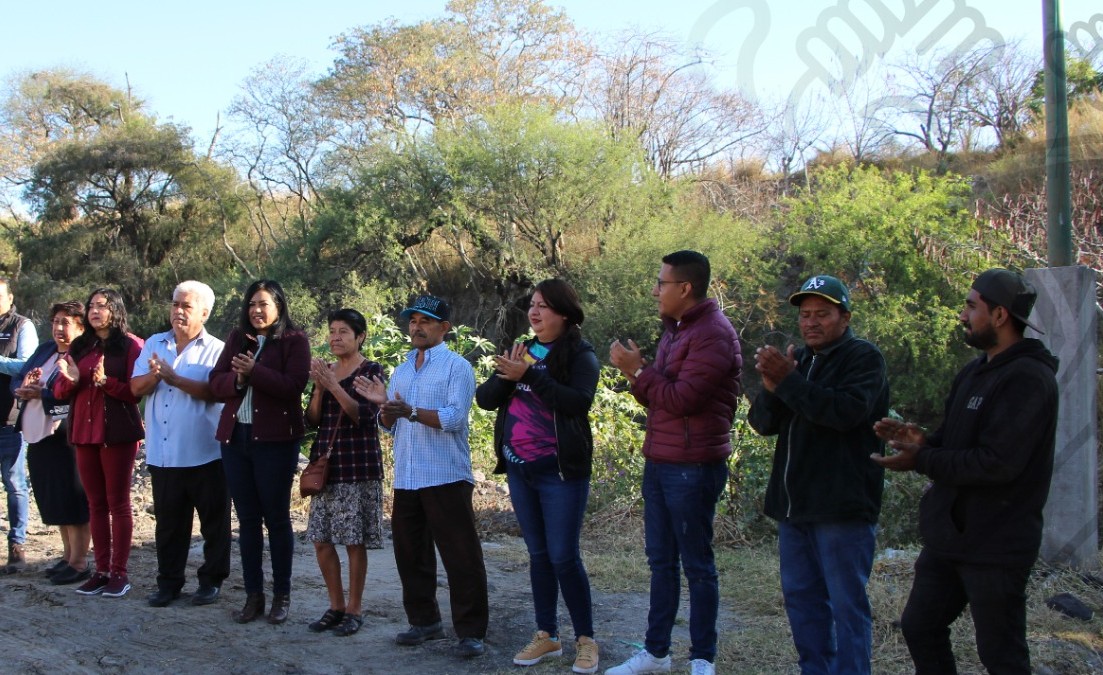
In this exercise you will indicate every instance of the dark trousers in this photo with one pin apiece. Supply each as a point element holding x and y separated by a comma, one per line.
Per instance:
<point>997,600</point>
<point>177,492</point>
<point>442,515</point>
<point>259,475</point>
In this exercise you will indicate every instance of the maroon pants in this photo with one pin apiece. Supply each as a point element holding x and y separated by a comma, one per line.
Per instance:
<point>107,472</point>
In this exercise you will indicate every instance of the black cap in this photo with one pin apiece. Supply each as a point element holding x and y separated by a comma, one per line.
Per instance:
<point>1009,290</point>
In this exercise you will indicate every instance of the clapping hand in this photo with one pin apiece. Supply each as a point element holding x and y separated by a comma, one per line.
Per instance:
<point>99,377</point>
<point>372,388</point>
<point>322,374</point>
<point>32,385</point>
<point>512,364</point>
<point>774,366</point>
<point>161,368</point>
<point>905,438</point>
<point>67,368</point>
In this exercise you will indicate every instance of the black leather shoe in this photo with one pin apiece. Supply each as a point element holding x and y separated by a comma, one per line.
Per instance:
<point>254,607</point>
<point>205,595</point>
<point>418,634</point>
<point>470,647</point>
<point>280,605</point>
<point>162,597</point>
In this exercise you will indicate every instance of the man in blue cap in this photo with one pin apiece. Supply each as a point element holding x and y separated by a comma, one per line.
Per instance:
<point>428,401</point>
<point>990,464</point>
<point>821,401</point>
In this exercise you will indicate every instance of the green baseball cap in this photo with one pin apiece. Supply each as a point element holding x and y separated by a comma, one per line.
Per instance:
<point>828,288</point>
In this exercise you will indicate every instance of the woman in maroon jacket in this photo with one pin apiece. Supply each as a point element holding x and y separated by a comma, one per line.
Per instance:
<point>261,376</point>
<point>105,427</point>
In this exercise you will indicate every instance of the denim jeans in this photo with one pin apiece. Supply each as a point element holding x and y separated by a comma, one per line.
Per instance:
<point>824,571</point>
<point>549,510</point>
<point>14,472</point>
<point>259,476</point>
<point>997,601</point>
<point>679,504</point>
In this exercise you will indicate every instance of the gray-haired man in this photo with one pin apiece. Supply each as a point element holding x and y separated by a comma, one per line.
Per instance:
<point>185,460</point>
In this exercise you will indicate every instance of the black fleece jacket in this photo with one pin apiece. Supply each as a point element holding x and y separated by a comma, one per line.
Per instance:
<point>991,459</point>
<point>823,414</point>
<point>569,402</point>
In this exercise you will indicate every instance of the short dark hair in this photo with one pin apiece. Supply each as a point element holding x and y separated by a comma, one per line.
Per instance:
<point>283,321</point>
<point>70,308</point>
<point>692,267</point>
<point>354,319</point>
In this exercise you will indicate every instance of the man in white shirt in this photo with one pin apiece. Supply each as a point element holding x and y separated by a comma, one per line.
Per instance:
<point>184,459</point>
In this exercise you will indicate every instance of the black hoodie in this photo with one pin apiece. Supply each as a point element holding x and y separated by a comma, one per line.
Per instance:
<point>992,459</point>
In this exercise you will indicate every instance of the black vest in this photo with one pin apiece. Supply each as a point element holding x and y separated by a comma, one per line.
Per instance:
<point>10,325</point>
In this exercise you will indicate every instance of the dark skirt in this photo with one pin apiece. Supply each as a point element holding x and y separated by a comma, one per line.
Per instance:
<point>56,485</point>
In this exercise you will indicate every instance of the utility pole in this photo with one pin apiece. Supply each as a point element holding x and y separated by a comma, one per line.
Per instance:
<point>1058,195</point>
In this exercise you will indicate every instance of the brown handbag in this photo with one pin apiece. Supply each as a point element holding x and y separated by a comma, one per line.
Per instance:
<point>313,479</point>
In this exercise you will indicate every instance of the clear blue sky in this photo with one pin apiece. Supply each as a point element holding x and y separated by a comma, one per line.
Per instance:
<point>187,59</point>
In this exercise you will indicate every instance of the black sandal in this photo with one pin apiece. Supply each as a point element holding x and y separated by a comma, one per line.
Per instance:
<point>350,625</point>
<point>331,619</point>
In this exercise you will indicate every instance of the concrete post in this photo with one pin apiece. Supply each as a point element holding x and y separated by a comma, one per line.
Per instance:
<point>1066,311</point>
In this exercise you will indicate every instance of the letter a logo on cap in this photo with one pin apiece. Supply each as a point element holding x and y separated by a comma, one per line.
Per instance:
<point>814,282</point>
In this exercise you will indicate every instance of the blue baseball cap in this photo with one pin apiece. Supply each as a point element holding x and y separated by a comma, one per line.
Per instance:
<point>429,306</point>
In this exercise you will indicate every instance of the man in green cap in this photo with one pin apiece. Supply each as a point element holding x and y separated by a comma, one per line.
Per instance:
<point>821,401</point>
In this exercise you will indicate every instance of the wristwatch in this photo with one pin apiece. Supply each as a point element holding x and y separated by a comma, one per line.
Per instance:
<point>413,415</point>
<point>638,371</point>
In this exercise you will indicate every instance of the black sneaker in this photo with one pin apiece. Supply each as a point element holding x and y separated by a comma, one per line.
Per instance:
<point>418,634</point>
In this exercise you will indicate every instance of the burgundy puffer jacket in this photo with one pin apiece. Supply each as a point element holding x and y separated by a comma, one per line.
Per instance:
<point>692,389</point>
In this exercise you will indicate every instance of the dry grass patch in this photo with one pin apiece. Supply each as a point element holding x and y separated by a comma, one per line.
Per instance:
<point>759,641</point>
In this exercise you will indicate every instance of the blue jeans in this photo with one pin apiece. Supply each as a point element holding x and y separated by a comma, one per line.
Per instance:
<point>259,476</point>
<point>824,571</point>
<point>550,511</point>
<point>679,504</point>
<point>13,470</point>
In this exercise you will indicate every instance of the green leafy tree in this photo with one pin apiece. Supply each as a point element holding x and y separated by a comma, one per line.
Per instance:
<point>123,201</point>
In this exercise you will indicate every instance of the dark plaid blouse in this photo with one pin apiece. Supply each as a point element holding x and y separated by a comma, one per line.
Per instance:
<point>356,455</point>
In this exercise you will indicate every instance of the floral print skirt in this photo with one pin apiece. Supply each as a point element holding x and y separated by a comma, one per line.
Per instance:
<point>348,514</point>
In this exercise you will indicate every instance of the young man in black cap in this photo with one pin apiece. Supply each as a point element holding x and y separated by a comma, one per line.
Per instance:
<point>990,465</point>
<point>821,401</point>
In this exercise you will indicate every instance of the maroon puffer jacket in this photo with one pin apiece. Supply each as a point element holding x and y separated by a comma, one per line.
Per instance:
<point>692,389</point>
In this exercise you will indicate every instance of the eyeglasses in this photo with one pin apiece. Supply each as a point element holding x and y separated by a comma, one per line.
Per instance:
<point>659,282</point>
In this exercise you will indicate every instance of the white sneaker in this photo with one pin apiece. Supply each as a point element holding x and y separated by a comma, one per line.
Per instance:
<point>701,667</point>
<point>642,662</point>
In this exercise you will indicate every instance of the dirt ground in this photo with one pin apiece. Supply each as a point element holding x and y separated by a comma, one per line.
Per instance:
<point>52,629</point>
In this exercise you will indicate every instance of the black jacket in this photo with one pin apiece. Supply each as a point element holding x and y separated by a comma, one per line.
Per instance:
<point>992,459</point>
<point>823,415</point>
<point>570,404</point>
